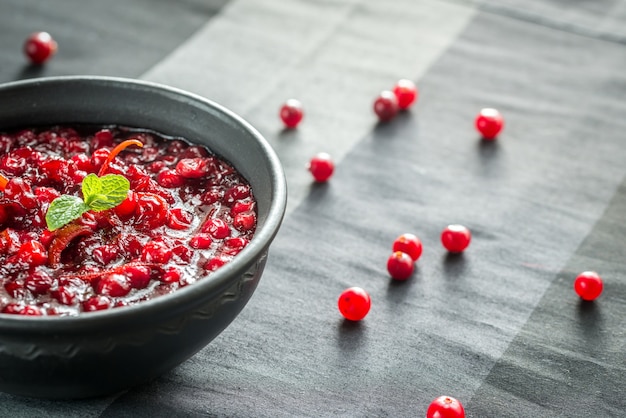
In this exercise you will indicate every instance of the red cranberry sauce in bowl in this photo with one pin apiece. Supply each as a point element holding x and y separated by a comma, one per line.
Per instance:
<point>184,214</point>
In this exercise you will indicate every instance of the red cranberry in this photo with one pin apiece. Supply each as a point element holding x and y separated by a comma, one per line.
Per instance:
<point>235,193</point>
<point>241,206</point>
<point>156,252</point>
<point>128,206</point>
<point>179,219</point>
<point>291,113</point>
<point>170,179</point>
<point>172,275</point>
<point>98,158</point>
<point>233,246</point>
<point>97,303</point>
<point>214,263</point>
<point>139,276</point>
<point>456,238</point>
<point>321,167</point>
<point>46,237</point>
<point>114,285</point>
<point>183,252</point>
<point>46,194</point>
<point>102,138</point>
<point>212,195</point>
<point>12,308</point>
<point>410,244</point>
<point>406,93</point>
<point>39,47</point>
<point>217,228</point>
<point>55,169</point>
<point>33,253</point>
<point>400,265</point>
<point>81,162</point>
<point>19,191</point>
<point>445,407</point>
<point>65,295</point>
<point>14,288</point>
<point>200,241</point>
<point>194,151</point>
<point>17,309</point>
<point>105,254</point>
<point>156,166</point>
<point>489,123</point>
<point>31,311</point>
<point>38,282</point>
<point>354,303</point>
<point>192,168</point>
<point>12,165</point>
<point>4,216</point>
<point>151,211</point>
<point>386,106</point>
<point>588,285</point>
<point>244,221</point>
<point>131,244</point>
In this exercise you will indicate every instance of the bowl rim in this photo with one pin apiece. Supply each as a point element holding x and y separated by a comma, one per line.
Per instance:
<point>192,294</point>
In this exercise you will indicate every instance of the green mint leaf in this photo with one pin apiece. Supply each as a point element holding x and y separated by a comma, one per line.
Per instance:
<point>91,186</point>
<point>63,210</point>
<point>102,193</point>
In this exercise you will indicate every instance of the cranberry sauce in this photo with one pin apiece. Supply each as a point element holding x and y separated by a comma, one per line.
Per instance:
<point>187,214</point>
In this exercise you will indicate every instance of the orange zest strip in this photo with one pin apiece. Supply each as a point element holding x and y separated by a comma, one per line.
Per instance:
<point>88,277</point>
<point>3,182</point>
<point>63,238</point>
<point>119,148</point>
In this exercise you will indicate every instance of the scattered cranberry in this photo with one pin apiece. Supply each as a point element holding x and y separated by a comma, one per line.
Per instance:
<point>445,407</point>
<point>291,113</point>
<point>588,285</point>
<point>386,106</point>
<point>354,303</point>
<point>400,265</point>
<point>489,123</point>
<point>39,47</point>
<point>456,238</point>
<point>410,244</point>
<point>321,167</point>
<point>406,93</point>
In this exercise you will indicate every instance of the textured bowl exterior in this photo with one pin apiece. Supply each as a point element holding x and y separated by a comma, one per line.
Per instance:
<point>105,352</point>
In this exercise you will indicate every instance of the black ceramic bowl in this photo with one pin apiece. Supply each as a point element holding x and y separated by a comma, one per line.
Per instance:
<point>104,352</point>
